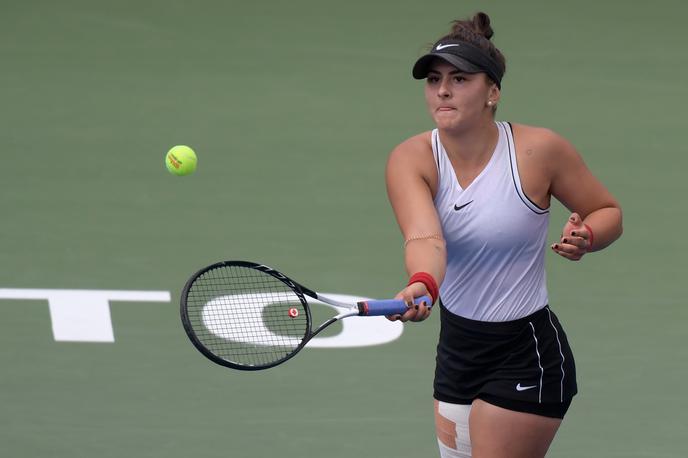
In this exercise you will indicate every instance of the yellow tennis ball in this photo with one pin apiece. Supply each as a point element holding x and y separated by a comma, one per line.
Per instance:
<point>181,160</point>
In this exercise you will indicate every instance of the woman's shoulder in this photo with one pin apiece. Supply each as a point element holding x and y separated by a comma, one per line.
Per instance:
<point>413,157</point>
<point>536,137</point>
<point>534,133</point>
<point>415,152</point>
<point>542,148</point>
<point>415,145</point>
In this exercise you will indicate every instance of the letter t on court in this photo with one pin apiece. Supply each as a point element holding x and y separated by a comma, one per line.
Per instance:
<point>81,315</point>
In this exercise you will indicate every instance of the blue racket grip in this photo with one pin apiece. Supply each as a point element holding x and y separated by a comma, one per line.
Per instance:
<point>388,306</point>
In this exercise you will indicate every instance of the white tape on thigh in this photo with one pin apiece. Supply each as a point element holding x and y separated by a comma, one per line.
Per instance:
<point>457,414</point>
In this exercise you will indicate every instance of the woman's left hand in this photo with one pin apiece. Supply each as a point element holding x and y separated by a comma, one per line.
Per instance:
<point>575,239</point>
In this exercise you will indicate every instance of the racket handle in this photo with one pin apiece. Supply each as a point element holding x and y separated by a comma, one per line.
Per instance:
<point>388,306</point>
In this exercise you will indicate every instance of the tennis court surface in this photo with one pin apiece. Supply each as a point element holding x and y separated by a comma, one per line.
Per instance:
<point>292,108</point>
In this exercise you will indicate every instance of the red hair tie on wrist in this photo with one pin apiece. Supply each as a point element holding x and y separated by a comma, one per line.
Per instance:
<point>590,238</point>
<point>429,282</point>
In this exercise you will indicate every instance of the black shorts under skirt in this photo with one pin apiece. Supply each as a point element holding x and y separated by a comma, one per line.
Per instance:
<point>525,365</point>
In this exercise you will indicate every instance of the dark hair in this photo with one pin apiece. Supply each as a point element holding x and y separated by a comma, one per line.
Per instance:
<point>476,31</point>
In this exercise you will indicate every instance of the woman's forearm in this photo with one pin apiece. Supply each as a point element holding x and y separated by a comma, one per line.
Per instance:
<point>426,255</point>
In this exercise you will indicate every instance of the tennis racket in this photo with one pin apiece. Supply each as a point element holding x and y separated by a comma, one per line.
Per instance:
<point>249,316</point>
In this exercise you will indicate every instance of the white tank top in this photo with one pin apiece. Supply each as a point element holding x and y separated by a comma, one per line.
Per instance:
<point>495,238</point>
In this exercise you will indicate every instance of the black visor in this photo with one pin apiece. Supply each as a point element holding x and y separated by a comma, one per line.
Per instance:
<point>462,55</point>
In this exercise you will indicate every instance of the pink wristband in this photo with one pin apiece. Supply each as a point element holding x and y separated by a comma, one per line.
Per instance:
<point>429,282</point>
<point>591,237</point>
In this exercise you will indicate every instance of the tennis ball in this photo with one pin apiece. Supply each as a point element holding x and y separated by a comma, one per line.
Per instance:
<point>181,160</point>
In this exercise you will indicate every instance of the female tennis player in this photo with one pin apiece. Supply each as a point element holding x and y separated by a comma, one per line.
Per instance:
<point>472,200</point>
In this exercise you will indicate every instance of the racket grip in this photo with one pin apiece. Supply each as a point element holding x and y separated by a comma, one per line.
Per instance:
<point>388,306</point>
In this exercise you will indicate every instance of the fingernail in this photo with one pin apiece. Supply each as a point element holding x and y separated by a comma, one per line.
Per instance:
<point>416,307</point>
<point>565,240</point>
<point>575,234</point>
<point>555,246</point>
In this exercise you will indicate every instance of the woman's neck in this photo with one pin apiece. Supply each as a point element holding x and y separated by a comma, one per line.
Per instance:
<point>473,146</point>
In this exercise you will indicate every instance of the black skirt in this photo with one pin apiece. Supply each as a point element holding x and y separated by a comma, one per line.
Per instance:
<point>524,365</point>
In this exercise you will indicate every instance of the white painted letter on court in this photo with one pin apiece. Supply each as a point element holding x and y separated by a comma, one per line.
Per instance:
<point>82,315</point>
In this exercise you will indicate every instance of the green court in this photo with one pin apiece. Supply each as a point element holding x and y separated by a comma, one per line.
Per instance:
<point>292,108</point>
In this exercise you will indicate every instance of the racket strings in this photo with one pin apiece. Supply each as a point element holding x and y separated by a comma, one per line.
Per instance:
<point>246,316</point>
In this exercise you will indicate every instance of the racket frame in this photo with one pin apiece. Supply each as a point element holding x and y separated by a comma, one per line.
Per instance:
<point>188,327</point>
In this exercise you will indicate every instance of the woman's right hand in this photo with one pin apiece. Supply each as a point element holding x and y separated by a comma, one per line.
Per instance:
<point>415,312</point>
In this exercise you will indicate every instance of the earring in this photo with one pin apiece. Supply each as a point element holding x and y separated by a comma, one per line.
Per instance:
<point>489,103</point>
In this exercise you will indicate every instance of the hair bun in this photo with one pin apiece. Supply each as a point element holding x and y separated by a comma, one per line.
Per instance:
<point>478,25</point>
<point>481,24</point>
